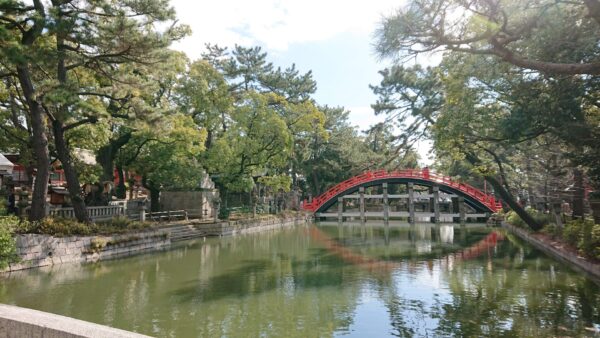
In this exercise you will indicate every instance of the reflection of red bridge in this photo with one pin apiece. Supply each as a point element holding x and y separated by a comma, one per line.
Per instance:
<point>473,196</point>
<point>474,251</point>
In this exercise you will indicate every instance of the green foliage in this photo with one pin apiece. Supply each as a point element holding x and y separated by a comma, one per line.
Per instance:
<point>514,219</point>
<point>540,217</point>
<point>276,182</point>
<point>514,109</point>
<point>257,141</point>
<point>167,156</point>
<point>119,225</point>
<point>8,249</point>
<point>584,235</point>
<point>224,213</point>
<point>61,227</point>
<point>595,242</point>
<point>586,244</point>
<point>97,244</point>
<point>572,232</point>
<point>553,230</point>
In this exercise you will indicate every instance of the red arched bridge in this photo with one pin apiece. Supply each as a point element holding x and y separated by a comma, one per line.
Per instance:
<point>475,198</point>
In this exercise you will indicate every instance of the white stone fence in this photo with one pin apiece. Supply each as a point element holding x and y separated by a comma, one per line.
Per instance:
<point>132,209</point>
<point>94,213</point>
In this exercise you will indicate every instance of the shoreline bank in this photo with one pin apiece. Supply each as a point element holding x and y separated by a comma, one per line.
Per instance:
<point>36,250</point>
<point>579,263</point>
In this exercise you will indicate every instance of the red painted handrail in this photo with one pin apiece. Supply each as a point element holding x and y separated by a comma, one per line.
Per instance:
<point>489,201</point>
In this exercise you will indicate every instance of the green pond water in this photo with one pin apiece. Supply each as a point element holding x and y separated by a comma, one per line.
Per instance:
<point>325,281</point>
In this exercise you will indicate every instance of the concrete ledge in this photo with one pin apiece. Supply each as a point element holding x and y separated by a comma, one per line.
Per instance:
<point>575,261</point>
<point>19,322</point>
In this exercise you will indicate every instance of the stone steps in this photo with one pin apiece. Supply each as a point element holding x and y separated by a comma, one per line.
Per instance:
<point>184,232</point>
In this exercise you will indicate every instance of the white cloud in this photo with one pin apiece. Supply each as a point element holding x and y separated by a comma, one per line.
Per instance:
<point>275,24</point>
<point>364,117</point>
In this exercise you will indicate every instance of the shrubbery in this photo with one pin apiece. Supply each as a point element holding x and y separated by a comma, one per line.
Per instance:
<point>572,232</point>
<point>8,247</point>
<point>581,234</point>
<point>540,217</point>
<point>224,213</point>
<point>60,227</point>
<point>584,235</point>
<point>553,230</point>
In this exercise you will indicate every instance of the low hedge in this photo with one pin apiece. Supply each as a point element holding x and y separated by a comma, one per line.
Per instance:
<point>541,218</point>
<point>581,234</point>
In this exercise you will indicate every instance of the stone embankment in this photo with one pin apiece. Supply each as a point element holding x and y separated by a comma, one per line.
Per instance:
<point>41,250</point>
<point>556,250</point>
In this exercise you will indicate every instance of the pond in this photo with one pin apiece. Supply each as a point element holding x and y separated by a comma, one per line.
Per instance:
<point>324,281</point>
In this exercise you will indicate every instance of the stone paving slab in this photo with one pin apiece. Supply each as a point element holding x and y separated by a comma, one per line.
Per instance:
<point>20,322</point>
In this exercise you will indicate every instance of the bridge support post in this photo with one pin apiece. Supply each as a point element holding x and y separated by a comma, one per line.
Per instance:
<point>340,209</point>
<point>361,192</point>
<point>436,204</point>
<point>386,205</point>
<point>461,210</point>
<point>411,202</point>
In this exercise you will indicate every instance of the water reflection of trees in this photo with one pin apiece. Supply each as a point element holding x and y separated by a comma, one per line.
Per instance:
<point>285,283</point>
<point>510,290</point>
<point>269,284</point>
<point>513,292</point>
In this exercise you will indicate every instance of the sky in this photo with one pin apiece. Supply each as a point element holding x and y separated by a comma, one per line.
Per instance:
<point>333,38</point>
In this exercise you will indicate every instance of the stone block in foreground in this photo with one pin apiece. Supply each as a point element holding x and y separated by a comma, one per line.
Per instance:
<point>20,322</point>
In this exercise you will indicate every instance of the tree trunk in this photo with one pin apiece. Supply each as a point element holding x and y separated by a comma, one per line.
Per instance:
<point>154,194</point>
<point>506,196</point>
<point>513,204</point>
<point>315,179</point>
<point>73,185</point>
<point>578,193</point>
<point>40,146</point>
<point>107,154</point>
<point>131,189</point>
<point>154,199</point>
<point>121,190</point>
<point>531,198</point>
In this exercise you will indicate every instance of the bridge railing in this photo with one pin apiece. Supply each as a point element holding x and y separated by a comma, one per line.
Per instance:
<point>424,174</point>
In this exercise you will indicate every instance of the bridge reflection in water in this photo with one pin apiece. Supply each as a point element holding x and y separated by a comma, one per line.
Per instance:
<point>444,234</point>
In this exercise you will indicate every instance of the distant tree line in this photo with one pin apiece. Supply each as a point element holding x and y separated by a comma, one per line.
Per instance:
<point>99,75</point>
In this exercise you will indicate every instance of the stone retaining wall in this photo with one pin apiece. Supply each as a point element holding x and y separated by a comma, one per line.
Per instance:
<point>247,226</point>
<point>42,250</point>
<point>573,260</point>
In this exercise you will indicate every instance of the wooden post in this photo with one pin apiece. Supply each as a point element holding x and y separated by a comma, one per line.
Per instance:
<point>454,208</point>
<point>143,213</point>
<point>340,209</point>
<point>411,202</point>
<point>461,210</point>
<point>361,192</point>
<point>436,203</point>
<point>386,205</point>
